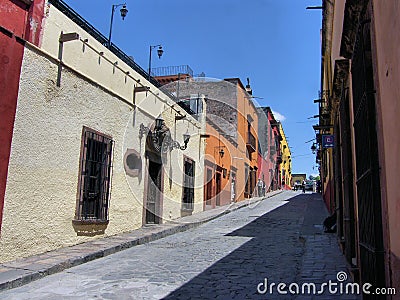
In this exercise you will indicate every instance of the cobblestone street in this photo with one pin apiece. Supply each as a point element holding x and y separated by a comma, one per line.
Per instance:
<point>280,239</point>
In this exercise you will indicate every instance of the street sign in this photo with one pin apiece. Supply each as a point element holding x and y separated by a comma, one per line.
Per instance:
<point>327,141</point>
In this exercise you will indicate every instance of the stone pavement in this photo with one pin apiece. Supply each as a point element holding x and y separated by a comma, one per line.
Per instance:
<point>22,271</point>
<point>321,260</point>
<point>234,256</point>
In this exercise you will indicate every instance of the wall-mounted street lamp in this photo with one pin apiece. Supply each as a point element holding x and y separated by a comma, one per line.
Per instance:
<point>221,153</point>
<point>313,148</point>
<point>161,137</point>
<point>160,52</point>
<point>123,11</point>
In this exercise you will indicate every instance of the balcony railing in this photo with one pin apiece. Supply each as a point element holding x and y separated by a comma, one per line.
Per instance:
<point>251,142</point>
<point>172,70</point>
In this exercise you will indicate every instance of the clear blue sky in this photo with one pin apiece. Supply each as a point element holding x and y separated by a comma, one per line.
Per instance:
<point>275,43</point>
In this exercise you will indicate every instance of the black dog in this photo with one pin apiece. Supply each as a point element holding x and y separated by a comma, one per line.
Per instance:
<point>330,223</point>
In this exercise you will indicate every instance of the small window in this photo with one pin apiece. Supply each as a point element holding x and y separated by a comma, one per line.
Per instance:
<point>94,177</point>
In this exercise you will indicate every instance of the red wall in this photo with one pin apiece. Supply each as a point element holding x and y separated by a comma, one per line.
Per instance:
<point>14,16</point>
<point>33,31</point>
<point>328,197</point>
<point>10,65</point>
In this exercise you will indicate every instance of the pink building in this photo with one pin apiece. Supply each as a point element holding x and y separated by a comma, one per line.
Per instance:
<point>360,107</point>
<point>269,158</point>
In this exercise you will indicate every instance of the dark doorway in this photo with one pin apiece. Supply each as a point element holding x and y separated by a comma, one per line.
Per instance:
<point>208,187</point>
<point>153,201</point>
<point>218,189</point>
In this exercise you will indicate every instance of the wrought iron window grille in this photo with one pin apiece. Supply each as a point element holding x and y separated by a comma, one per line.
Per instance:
<point>95,177</point>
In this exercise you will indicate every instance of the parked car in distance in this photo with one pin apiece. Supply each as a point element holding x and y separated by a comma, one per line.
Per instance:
<point>310,185</point>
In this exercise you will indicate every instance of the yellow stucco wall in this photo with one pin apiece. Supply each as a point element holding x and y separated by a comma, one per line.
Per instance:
<point>286,158</point>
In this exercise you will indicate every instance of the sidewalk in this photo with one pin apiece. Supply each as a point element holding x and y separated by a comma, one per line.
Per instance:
<point>322,259</point>
<point>23,271</point>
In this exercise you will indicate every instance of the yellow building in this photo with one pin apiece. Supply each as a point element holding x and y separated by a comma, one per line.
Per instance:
<point>286,166</point>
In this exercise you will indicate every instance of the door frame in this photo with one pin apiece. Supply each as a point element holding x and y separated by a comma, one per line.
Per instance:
<point>155,158</point>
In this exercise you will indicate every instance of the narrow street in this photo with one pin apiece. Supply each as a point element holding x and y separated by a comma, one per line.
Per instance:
<point>280,239</point>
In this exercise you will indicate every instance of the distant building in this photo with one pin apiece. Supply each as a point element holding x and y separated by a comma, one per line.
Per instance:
<point>297,179</point>
<point>231,161</point>
<point>286,166</point>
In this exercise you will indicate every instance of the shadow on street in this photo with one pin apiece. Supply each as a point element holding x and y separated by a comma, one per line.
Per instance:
<point>274,252</point>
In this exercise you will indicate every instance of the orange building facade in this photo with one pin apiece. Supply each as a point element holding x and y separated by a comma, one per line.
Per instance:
<point>220,182</point>
<point>231,160</point>
<point>247,139</point>
<point>231,152</point>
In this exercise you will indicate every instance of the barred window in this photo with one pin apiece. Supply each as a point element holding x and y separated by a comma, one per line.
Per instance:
<point>95,176</point>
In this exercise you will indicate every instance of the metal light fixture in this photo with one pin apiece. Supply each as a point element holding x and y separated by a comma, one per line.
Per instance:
<point>160,52</point>
<point>221,153</point>
<point>161,137</point>
<point>221,150</point>
<point>313,148</point>
<point>186,138</point>
<point>158,124</point>
<point>123,11</point>
<point>171,144</point>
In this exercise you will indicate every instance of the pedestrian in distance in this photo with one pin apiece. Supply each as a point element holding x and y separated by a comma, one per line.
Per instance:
<point>259,187</point>
<point>263,188</point>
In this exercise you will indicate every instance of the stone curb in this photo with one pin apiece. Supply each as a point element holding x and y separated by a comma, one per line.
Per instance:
<point>20,272</point>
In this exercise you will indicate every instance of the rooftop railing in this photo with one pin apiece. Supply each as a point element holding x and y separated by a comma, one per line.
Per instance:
<point>172,70</point>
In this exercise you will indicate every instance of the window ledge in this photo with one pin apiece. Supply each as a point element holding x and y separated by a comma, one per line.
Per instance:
<point>187,209</point>
<point>89,227</point>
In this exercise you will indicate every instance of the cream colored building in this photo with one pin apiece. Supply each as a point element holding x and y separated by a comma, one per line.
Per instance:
<point>82,163</point>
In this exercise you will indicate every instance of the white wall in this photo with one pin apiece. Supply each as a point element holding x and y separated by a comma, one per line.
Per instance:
<point>42,184</point>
